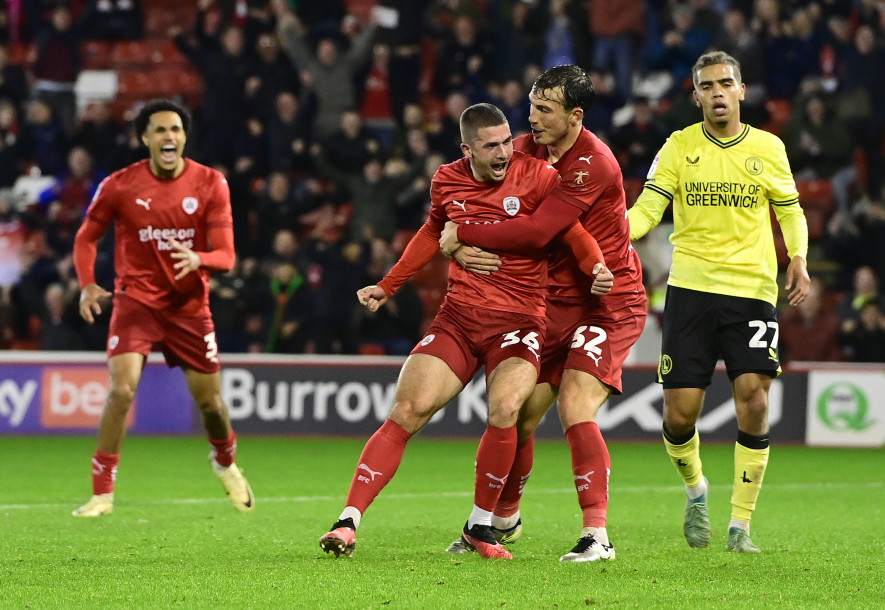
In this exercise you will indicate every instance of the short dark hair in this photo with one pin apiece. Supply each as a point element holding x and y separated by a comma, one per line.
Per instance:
<point>144,115</point>
<point>577,88</point>
<point>715,58</point>
<point>478,116</point>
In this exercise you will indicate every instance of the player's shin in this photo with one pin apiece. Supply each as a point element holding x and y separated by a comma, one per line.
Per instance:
<point>684,452</point>
<point>750,461</point>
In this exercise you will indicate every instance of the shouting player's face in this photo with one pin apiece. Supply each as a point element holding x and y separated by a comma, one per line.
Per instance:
<point>165,140</point>
<point>490,153</point>
<point>549,120</point>
<point>719,94</point>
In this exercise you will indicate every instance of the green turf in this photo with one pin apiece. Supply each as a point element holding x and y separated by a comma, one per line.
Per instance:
<point>175,541</point>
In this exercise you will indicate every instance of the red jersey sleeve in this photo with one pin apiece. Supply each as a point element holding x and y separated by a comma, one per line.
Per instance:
<point>534,231</point>
<point>220,228</point>
<point>85,249</point>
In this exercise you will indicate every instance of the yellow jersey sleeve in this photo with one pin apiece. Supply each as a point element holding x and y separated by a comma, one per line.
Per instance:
<point>721,192</point>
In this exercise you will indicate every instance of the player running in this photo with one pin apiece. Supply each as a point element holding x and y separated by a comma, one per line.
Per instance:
<point>172,226</point>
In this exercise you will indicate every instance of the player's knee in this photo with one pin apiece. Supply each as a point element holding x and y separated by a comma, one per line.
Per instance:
<point>120,396</point>
<point>211,404</point>
<point>411,415</point>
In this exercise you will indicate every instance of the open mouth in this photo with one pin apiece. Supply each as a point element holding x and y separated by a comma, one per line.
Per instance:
<point>498,169</point>
<point>169,153</point>
<point>719,109</point>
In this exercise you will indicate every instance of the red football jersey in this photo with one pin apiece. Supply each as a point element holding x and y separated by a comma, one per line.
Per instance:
<point>147,212</point>
<point>592,181</point>
<point>520,283</point>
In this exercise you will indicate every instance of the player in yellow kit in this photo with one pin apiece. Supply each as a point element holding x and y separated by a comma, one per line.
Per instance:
<point>722,176</point>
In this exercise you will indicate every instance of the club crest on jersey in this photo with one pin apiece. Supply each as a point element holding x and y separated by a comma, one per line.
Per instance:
<point>511,205</point>
<point>190,204</point>
<point>426,340</point>
<point>754,165</point>
<point>113,342</point>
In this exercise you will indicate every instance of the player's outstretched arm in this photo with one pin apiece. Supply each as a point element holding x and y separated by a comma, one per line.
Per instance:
<point>797,282</point>
<point>372,297</point>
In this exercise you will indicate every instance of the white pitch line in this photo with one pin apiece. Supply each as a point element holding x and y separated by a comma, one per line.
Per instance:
<point>464,494</point>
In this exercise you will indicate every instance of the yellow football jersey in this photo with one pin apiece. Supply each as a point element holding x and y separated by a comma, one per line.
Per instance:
<point>721,191</point>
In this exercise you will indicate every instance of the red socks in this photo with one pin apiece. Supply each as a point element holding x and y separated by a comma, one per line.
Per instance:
<point>591,465</point>
<point>104,472</point>
<point>494,458</point>
<point>378,463</point>
<point>224,451</point>
<point>508,503</point>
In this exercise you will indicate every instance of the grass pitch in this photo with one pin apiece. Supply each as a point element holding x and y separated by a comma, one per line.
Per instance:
<point>175,541</point>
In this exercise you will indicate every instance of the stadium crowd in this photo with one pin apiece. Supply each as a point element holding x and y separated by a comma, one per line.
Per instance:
<point>329,119</point>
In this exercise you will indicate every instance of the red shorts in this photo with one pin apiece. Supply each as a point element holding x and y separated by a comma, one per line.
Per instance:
<point>589,339</point>
<point>188,342</point>
<point>466,339</point>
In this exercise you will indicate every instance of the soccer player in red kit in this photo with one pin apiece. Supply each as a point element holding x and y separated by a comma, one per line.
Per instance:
<point>172,226</point>
<point>493,320</point>
<point>588,339</point>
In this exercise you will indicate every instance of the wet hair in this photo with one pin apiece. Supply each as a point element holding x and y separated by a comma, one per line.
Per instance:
<point>478,116</point>
<point>144,115</point>
<point>715,58</point>
<point>577,88</point>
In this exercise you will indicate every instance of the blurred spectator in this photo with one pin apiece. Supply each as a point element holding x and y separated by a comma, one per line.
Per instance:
<point>561,38</point>
<point>463,59</point>
<point>224,65</point>
<point>11,154</point>
<point>103,136</point>
<point>43,138</point>
<point>17,241</point>
<point>858,241</point>
<point>286,307</point>
<point>615,28</point>
<point>865,289</point>
<point>513,102</point>
<point>229,295</point>
<point>73,188</point>
<point>862,89</point>
<point>599,117</point>
<point>288,133</point>
<point>113,20</point>
<point>14,84</point>
<point>337,272</point>
<point>351,145</point>
<point>736,38</point>
<point>414,201</point>
<point>637,142</point>
<point>55,64</point>
<point>376,109</point>
<point>819,146</point>
<point>61,322</point>
<point>405,42</point>
<point>331,72</point>
<point>681,44</point>
<point>373,194</point>
<point>270,75</point>
<point>519,39</point>
<point>275,209</point>
<point>809,331</point>
<point>445,132</point>
<point>791,49</point>
<point>863,338</point>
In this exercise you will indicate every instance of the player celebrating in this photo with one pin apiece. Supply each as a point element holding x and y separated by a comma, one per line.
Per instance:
<point>588,339</point>
<point>493,320</point>
<point>173,226</point>
<point>721,177</point>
